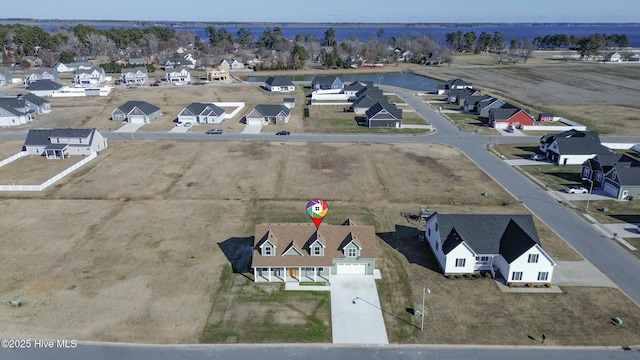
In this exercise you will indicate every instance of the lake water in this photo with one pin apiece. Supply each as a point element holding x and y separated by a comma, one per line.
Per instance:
<point>405,80</point>
<point>366,31</point>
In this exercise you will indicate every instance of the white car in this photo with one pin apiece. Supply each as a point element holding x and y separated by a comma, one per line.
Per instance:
<point>574,189</point>
<point>537,157</point>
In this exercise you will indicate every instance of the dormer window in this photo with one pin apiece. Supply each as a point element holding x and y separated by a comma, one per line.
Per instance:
<point>317,250</point>
<point>268,251</point>
<point>351,252</point>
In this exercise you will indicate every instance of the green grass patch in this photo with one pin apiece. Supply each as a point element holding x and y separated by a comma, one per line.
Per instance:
<point>349,126</point>
<point>413,118</point>
<point>556,177</point>
<point>516,151</point>
<point>471,123</point>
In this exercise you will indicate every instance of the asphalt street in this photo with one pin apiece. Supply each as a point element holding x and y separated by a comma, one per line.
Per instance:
<point>607,255</point>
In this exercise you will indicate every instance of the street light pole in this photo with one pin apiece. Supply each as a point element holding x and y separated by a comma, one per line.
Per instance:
<point>379,79</point>
<point>586,210</point>
<point>425,291</point>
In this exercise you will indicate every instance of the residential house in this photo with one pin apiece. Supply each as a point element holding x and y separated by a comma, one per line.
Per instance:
<point>90,77</point>
<point>32,61</point>
<point>383,114</point>
<point>136,112</point>
<point>545,117</point>
<point>572,147</point>
<point>507,246</point>
<point>224,66</point>
<point>134,76</point>
<point>617,174</point>
<point>180,75</point>
<point>279,83</point>
<point>62,143</point>
<point>41,74</point>
<point>509,116</point>
<point>454,84</point>
<point>327,83</point>
<point>484,106</point>
<point>366,98</point>
<point>470,104</point>
<point>72,66</point>
<point>13,112</point>
<point>44,88</point>
<point>189,61</point>
<point>237,65</point>
<point>458,96</point>
<point>300,252</point>
<point>35,103</point>
<point>613,57</point>
<point>6,77</point>
<point>431,59</point>
<point>265,114</point>
<point>202,113</point>
<point>354,88</point>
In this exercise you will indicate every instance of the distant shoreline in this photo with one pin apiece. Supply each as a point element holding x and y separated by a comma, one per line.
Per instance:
<point>178,24</point>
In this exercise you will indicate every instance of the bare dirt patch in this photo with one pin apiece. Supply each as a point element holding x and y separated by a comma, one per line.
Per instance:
<point>137,246</point>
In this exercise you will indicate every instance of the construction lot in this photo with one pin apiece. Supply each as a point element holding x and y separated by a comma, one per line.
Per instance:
<point>137,246</point>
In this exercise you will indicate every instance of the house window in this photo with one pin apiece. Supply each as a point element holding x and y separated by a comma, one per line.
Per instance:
<point>482,259</point>
<point>516,276</point>
<point>320,269</point>
<point>436,226</point>
<point>80,140</point>
<point>265,269</point>
<point>533,258</point>
<point>316,251</point>
<point>543,276</point>
<point>268,251</point>
<point>429,232</point>
<point>461,262</point>
<point>351,252</point>
<point>437,244</point>
<point>57,140</point>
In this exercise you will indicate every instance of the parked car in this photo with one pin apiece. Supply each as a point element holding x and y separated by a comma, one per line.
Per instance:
<point>283,132</point>
<point>537,157</point>
<point>574,189</point>
<point>508,129</point>
<point>188,124</point>
<point>213,131</point>
<point>155,84</point>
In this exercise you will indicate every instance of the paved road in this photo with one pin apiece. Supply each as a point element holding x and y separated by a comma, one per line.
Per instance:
<point>313,352</point>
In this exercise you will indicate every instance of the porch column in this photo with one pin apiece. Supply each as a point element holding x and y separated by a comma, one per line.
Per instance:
<point>255,276</point>
<point>315,273</point>
<point>285,274</point>
<point>299,273</point>
<point>269,272</point>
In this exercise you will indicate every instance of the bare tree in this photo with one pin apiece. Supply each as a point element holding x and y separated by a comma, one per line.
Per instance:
<point>49,58</point>
<point>100,45</point>
<point>149,43</point>
<point>525,49</point>
<point>185,38</point>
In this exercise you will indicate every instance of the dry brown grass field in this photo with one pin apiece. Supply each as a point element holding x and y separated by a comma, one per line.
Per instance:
<point>131,247</point>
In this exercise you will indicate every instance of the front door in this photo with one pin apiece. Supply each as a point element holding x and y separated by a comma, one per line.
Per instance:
<point>294,272</point>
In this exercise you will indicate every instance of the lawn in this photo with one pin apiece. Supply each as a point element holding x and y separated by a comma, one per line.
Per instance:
<point>556,177</point>
<point>471,123</point>
<point>350,126</point>
<point>515,150</point>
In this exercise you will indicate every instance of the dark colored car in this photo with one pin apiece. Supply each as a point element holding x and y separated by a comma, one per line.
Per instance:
<point>283,132</point>
<point>213,131</point>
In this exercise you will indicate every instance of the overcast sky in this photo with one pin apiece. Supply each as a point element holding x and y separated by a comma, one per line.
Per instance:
<point>384,11</point>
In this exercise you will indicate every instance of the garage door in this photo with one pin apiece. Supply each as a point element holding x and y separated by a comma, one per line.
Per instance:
<point>611,190</point>
<point>352,269</point>
<point>136,119</point>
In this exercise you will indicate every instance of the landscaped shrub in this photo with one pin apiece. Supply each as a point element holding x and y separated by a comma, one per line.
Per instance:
<point>487,274</point>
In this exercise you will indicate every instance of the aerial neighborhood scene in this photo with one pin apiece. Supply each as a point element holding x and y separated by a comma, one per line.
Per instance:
<point>284,175</point>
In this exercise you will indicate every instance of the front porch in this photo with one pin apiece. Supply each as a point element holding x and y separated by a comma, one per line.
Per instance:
<point>292,274</point>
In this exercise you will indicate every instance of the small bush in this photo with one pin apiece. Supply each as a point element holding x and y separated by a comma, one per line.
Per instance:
<point>487,274</point>
<point>547,285</point>
<point>510,284</point>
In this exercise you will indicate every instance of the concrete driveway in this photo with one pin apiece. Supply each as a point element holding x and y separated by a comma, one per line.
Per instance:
<point>356,315</point>
<point>579,273</point>
<point>128,128</point>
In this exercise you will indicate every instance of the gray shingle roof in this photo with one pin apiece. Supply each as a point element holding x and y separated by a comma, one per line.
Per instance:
<point>43,85</point>
<point>144,106</point>
<point>34,99</point>
<point>576,142</point>
<point>41,136</point>
<point>628,175</point>
<point>278,81</point>
<point>484,232</point>
<point>199,108</point>
<point>11,105</point>
<point>271,110</point>
<point>515,242</point>
<point>380,106</point>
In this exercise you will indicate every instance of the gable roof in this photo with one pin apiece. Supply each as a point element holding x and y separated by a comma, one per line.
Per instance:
<point>89,71</point>
<point>504,112</point>
<point>577,142</point>
<point>134,70</point>
<point>34,99</point>
<point>628,175</point>
<point>143,106</point>
<point>279,81</point>
<point>42,136</point>
<point>200,108</point>
<point>331,236</point>
<point>269,110</point>
<point>11,105</point>
<point>515,242</point>
<point>457,82</point>
<point>43,85</point>
<point>380,107</point>
<point>483,232</point>
<point>355,86</point>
